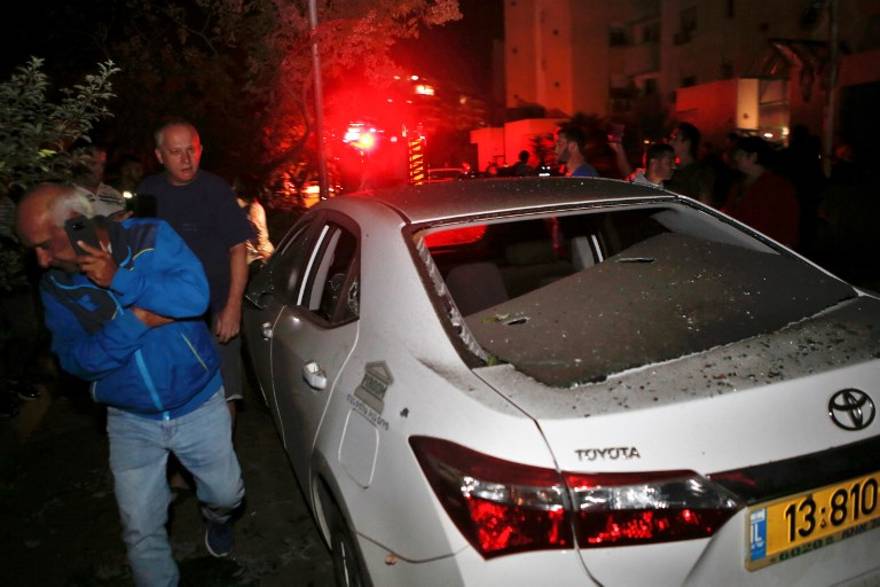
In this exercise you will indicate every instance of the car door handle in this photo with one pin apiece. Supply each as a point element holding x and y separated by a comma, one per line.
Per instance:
<point>266,330</point>
<point>314,375</point>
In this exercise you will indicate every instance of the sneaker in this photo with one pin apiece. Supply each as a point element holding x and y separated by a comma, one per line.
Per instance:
<point>219,539</point>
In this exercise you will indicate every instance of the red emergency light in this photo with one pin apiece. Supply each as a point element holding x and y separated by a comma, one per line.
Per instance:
<point>360,137</point>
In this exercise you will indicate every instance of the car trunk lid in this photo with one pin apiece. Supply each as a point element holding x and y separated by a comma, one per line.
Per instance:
<point>693,411</point>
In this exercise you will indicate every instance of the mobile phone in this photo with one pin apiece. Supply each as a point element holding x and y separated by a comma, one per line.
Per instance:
<point>615,132</point>
<point>80,228</point>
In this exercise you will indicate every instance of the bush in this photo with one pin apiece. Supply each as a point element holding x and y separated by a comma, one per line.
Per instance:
<point>37,134</point>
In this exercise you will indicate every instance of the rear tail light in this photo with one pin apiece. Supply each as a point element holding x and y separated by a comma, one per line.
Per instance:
<point>503,507</point>
<point>617,509</point>
<point>499,506</point>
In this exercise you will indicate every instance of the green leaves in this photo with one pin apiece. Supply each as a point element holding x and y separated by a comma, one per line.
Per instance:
<point>37,131</point>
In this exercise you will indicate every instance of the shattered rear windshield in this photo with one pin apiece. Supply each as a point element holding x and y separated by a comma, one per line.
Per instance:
<point>574,298</point>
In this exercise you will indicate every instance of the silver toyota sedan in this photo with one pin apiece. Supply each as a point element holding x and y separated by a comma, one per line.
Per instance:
<point>570,382</point>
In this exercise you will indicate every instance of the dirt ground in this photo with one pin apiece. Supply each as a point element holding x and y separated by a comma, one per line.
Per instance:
<point>61,526</point>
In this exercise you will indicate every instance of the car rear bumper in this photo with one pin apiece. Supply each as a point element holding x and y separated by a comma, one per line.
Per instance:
<point>467,567</point>
<point>843,563</point>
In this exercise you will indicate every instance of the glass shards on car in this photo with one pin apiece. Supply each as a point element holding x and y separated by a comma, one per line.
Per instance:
<point>573,298</point>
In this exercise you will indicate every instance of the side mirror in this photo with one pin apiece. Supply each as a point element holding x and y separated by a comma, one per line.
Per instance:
<point>260,290</point>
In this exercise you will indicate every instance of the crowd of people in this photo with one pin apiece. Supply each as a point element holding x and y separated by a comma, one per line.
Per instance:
<point>781,192</point>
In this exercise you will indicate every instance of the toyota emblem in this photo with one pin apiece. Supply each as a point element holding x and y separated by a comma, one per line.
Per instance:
<point>851,409</point>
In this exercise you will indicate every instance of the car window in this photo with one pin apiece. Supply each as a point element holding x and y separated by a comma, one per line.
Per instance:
<point>576,297</point>
<point>288,262</point>
<point>333,292</point>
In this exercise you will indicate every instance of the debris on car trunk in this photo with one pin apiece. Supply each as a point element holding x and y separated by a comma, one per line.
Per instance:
<point>616,316</point>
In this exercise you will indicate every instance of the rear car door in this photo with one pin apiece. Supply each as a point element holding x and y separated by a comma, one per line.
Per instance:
<point>314,335</point>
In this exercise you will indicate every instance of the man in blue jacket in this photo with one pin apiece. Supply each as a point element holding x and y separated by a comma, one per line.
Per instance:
<point>126,316</point>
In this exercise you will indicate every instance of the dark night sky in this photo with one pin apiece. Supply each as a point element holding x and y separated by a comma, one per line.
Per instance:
<point>459,52</point>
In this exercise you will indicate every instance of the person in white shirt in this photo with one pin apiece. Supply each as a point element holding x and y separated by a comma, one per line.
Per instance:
<point>259,248</point>
<point>105,200</point>
<point>659,166</point>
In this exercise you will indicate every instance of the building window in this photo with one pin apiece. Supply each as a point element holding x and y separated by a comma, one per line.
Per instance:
<point>687,25</point>
<point>617,37</point>
<point>651,33</point>
<point>726,69</point>
<point>871,39</point>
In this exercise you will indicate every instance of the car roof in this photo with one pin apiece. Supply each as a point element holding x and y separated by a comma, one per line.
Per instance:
<point>451,200</point>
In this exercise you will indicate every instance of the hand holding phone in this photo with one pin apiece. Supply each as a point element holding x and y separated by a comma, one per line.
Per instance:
<point>94,261</point>
<point>80,228</point>
<point>615,132</point>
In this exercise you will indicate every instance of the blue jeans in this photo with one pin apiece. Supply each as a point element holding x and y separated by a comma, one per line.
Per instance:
<point>139,447</point>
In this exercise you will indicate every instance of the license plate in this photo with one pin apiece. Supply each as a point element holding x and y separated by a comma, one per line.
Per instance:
<point>789,527</point>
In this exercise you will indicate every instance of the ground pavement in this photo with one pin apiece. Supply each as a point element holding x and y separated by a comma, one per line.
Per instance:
<point>60,525</point>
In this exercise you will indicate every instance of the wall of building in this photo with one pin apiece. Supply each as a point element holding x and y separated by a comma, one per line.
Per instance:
<point>558,53</point>
<point>490,146</point>
<point>519,135</point>
<point>501,145</point>
<point>715,107</point>
<point>520,54</point>
<point>590,74</point>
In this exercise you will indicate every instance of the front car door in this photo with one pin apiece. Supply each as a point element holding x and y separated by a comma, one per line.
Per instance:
<point>267,294</point>
<point>314,335</point>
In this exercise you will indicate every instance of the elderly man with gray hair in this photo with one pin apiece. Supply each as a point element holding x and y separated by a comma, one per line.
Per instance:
<point>124,314</point>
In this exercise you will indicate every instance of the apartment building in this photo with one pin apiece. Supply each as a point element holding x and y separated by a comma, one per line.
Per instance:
<point>748,65</point>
